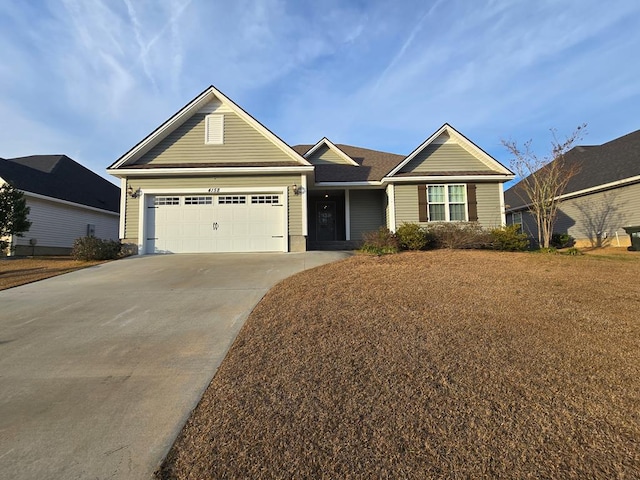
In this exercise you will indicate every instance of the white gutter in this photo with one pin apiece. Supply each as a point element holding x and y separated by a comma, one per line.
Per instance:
<point>448,178</point>
<point>347,184</point>
<point>136,172</point>
<point>66,202</point>
<point>578,193</point>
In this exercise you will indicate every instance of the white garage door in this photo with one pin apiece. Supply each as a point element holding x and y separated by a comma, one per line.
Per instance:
<point>215,223</point>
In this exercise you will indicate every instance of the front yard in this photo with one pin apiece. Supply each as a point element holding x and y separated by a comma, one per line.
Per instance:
<point>19,271</point>
<point>443,364</point>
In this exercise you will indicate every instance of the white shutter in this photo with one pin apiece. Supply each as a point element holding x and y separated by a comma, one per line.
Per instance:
<point>214,130</point>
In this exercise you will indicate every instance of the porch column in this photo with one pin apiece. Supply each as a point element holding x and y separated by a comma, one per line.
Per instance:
<point>347,216</point>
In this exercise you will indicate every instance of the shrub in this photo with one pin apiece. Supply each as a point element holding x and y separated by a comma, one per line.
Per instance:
<point>380,242</point>
<point>509,238</point>
<point>92,248</point>
<point>411,236</point>
<point>459,235</point>
<point>573,251</point>
<point>562,240</point>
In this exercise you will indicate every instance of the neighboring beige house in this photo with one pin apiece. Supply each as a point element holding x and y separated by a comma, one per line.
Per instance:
<point>66,201</point>
<point>213,179</point>
<point>599,201</point>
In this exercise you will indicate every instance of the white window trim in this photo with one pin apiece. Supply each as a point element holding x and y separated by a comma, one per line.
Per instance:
<point>513,220</point>
<point>447,212</point>
<point>391,199</point>
<point>207,126</point>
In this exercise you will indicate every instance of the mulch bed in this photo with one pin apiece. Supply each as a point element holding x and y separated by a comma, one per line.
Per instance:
<point>444,364</point>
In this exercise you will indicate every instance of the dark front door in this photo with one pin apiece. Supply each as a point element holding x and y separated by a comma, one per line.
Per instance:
<point>325,221</point>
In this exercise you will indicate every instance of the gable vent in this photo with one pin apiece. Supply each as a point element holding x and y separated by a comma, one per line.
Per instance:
<point>214,130</point>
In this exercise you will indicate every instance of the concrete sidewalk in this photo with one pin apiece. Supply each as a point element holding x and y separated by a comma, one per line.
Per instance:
<point>100,368</point>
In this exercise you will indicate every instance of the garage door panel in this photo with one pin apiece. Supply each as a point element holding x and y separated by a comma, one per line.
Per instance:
<point>225,223</point>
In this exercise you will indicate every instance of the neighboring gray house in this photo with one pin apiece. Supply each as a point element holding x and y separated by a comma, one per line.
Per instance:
<point>67,201</point>
<point>599,201</point>
<point>213,179</point>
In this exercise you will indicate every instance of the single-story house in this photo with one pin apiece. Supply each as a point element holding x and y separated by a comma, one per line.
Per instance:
<point>601,199</point>
<point>66,201</point>
<point>213,179</point>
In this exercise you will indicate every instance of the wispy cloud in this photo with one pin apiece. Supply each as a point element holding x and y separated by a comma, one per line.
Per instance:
<point>407,43</point>
<point>144,49</point>
<point>104,73</point>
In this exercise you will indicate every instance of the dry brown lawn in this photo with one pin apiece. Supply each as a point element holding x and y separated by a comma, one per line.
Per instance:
<point>18,271</point>
<point>444,364</point>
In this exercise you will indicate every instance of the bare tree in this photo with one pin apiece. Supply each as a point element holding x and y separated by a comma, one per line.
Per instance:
<point>544,179</point>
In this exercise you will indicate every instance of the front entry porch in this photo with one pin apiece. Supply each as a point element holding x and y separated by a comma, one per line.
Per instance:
<point>337,219</point>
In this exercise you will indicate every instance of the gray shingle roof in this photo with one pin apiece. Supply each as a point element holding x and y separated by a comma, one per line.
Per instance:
<point>598,165</point>
<point>374,165</point>
<point>58,176</point>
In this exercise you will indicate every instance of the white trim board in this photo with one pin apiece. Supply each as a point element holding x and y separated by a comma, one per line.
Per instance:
<point>66,202</point>
<point>209,94</point>
<point>123,207</point>
<point>391,196</point>
<point>151,172</point>
<point>480,154</point>
<point>585,191</point>
<point>448,179</point>
<point>332,147</point>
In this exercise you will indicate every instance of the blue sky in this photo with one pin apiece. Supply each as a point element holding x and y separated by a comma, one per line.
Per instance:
<point>91,78</point>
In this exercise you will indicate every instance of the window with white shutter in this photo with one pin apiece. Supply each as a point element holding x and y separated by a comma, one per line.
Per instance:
<point>214,130</point>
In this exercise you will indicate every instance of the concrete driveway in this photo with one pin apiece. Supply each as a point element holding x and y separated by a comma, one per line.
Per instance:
<point>100,368</point>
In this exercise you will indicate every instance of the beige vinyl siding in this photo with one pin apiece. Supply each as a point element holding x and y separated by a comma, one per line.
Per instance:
<point>324,156</point>
<point>294,201</point>
<point>58,225</point>
<point>406,200</point>
<point>446,157</point>
<point>487,195</point>
<point>607,211</point>
<point>242,143</point>
<point>488,198</point>
<point>366,211</point>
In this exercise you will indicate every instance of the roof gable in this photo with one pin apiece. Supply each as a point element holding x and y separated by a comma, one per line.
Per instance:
<point>60,177</point>
<point>325,152</point>
<point>449,152</point>
<point>373,165</point>
<point>210,100</point>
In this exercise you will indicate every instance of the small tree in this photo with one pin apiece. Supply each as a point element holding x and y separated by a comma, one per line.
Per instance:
<point>544,179</point>
<point>13,214</point>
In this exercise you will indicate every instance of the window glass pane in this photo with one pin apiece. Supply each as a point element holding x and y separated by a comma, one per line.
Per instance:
<point>456,211</point>
<point>436,212</point>
<point>272,199</point>
<point>231,200</point>
<point>456,193</point>
<point>436,194</point>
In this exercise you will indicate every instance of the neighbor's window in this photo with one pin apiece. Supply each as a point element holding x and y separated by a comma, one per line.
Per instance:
<point>214,129</point>
<point>516,219</point>
<point>447,203</point>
